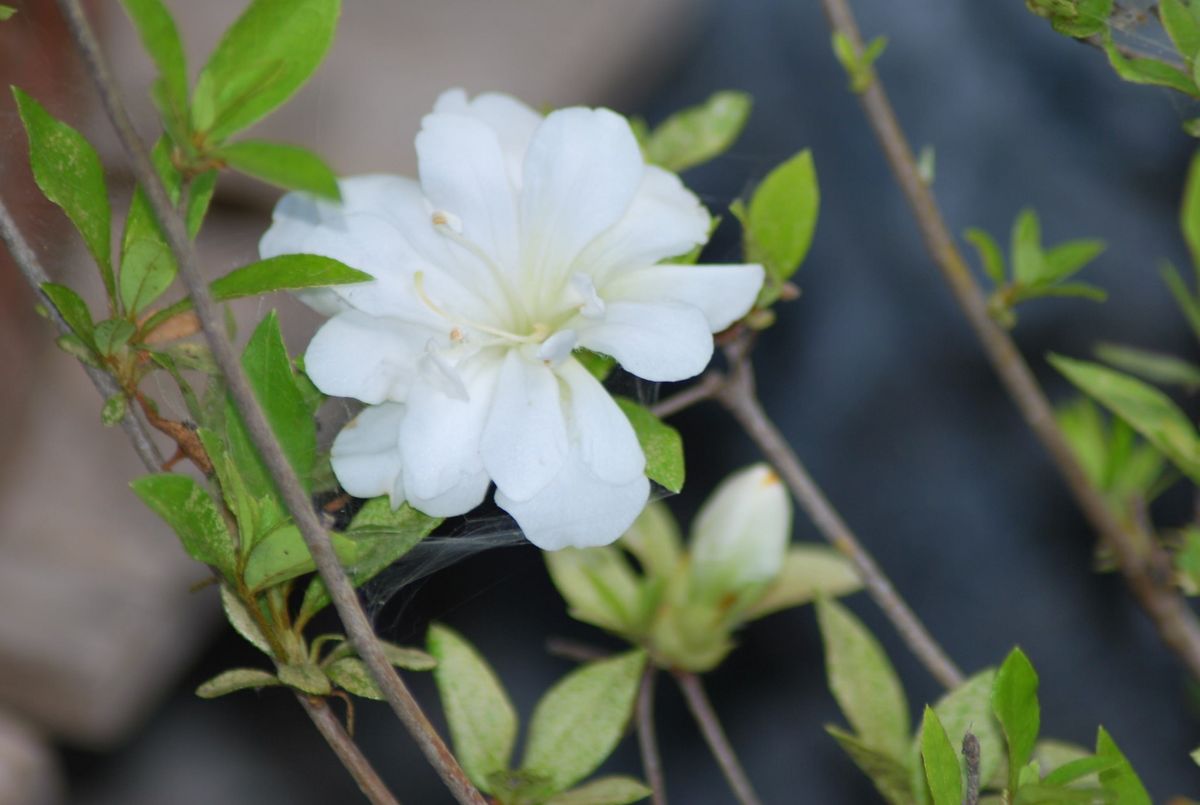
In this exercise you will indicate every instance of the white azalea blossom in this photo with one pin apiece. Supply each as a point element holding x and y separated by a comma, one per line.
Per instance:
<point>525,239</point>
<point>741,533</point>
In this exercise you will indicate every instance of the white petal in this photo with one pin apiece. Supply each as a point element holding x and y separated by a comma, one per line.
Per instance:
<point>724,293</point>
<point>663,342</point>
<point>463,171</point>
<point>607,443</point>
<point>525,438</point>
<point>467,494</point>
<point>557,348</point>
<point>366,454</point>
<point>441,437</point>
<point>512,121</point>
<point>664,220</point>
<point>367,358</point>
<point>741,532</point>
<point>582,170</point>
<point>577,509</point>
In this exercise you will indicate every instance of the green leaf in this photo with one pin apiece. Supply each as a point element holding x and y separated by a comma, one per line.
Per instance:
<point>351,674</point>
<point>73,309</point>
<point>1073,289</point>
<point>889,775</point>
<point>73,345</point>
<point>859,67</point>
<point>161,40</point>
<point>1085,18</point>
<point>112,335</point>
<point>655,541</point>
<point>808,572</point>
<point>781,219</point>
<point>1037,793</point>
<point>968,708</point>
<point>147,264</point>
<point>410,659</point>
<point>69,173</point>
<point>599,587</point>
<point>1183,297</point>
<point>1189,210</point>
<point>1147,410</point>
<point>242,621</point>
<point>6,13</point>
<point>264,57</point>
<point>605,791</point>
<point>1181,25</point>
<point>392,534</point>
<point>305,677</point>
<point>287,272</point>
<point>1067,258</point>
<point>483,722</point>
<point>288,166</point>
<point>234,680</point>
<point>600,366</point>
<point>661,443</point>
<point>193,515</point>
<point>580,720</point>
<point>863,681</point>
<point>1157,367</point>
<point>114,410</point>
<point>697,134</point>
<point>1147,71</point>
<point>1026,248</point>
<point>1078,769</point>
<point>989,254</point>
<point>940,761</point>
<point>200,193</point>
<point>1120,779</point>
<point>1015,703</point>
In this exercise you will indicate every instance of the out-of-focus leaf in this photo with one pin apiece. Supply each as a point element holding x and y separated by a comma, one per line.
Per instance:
<point>697,134</point>
<point>288,166</point>
<point>990,256</point>
<point>1147,71</point>
<point>1157,367</point>
<point>890,775</point>
<point>161,40</point>
<point>605,791</point>
<point>808,572</point>
<point>236,679</point>
<point>1119,779</point>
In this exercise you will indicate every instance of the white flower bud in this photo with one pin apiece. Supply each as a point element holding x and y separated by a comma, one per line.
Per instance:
<point>740,536</point>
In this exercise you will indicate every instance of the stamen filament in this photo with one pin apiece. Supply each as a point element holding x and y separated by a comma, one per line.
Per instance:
<point>540,331</point>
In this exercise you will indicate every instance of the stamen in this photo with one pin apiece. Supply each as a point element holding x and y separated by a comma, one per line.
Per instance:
<point>540,331</point>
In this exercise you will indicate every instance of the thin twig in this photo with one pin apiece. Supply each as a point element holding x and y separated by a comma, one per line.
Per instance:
<point>345,600</point>
<point>31,268</point>
<point>739,396</point>
<point>575,651</point>
<point>326,721</point>
<point>714,736</point>
<point>139,437</point>
<point>703,389</point>
<point>970,752</point>
<point>1176,622</point>
<point>647,740</point>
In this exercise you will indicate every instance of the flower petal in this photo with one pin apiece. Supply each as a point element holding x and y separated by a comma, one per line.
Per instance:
<point>664,341</point>
<point>368,358</point>
<point>441,435</point>
<point>582,170</point>
<point>525,438</point>
<point>463,172</point>
<point>741,532</point>
<point>366,454</point>
<point>724,293</point>
<point>607,444</point>
<point>664,220</point>
<point>512,121</point>
<point>577,509</point>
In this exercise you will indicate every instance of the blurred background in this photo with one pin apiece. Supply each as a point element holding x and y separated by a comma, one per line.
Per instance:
<point>872,375</point>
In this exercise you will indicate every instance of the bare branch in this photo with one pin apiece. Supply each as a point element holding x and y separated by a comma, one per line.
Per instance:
<point>373,788</point>
<point>714,735</point>
<point>647,740</point>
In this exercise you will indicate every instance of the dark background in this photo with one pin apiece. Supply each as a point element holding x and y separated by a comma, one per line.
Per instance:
<point>879,385</point>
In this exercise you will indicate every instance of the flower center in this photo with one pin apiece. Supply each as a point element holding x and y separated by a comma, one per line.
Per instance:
<point>539,333</point>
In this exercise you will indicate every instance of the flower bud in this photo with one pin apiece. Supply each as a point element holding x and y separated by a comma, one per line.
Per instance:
<point>741,533</point>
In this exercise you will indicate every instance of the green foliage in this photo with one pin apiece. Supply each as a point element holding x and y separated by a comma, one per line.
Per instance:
<point>482,720</point>
<point>1146,409</point>
<point>661,444</point>
<point>968,708</point>
<point>242,621</point>
<point>68,171</point>
<point>193,515</point>
<point>600,366</point>
<point>1077,18</point>
<point>697,134</point>
<point>809,572</point>
<point>1015,703</point>
<point>1180,21</point>
<point>1148,71</point>
<point>1157,367</point>
<point>113,410</point>
<point>161,39</point>
<point>1119,779</point>
<point>604,791</point>
<point>74,311</point>
<point>288,166</point>
<point>234,680</point>
<point>1187,560</point>
<point>305,677</point>
<point>147,264</point>
<point>1036,272</point>
<point>351,674</point>
<point>890,775</point>
<point>6,13</point>
<point>779,222</point>
<point>580,720</point>
<point>601,588</point>
<point>863,681</point>
<point>940,761</point>
<point>1189,211</point>
<point>264,57</point>
<point>859,65</point>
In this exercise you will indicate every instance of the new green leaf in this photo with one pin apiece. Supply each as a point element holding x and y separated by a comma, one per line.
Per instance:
<point>697,134</point>
<point>483,722</point>
<point>780,221</point>
<point>288,166</point>
<point>161,39</point>
<point>580,720</point>
<point>69,173</point>
<point>890,775</point>
<point>940,761</point>
<point>234,680</point>
<point>863,681</point>
<point>1015,703</point>
<point>1120,779</point>
<point>605,791</point>
<point>74,311</point>
<point>1157,367</point>
<point>969,708</point>
<point>193,515</point>
<point>661,444</point>
<point>808,572</point>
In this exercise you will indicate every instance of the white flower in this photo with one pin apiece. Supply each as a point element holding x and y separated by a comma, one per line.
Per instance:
<point>525,238</point>
<point>741,533</point>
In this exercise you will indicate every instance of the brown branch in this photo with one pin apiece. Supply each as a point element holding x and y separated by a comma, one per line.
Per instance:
<point>703,389</point>
<point>369,782</point>
<point>739,396</point>
<point>31,268</point>
<point>714,736</point>
<point>1176,622</point>
<point>647,740</point>
<point>970,753</point>
<point>345,600</point>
